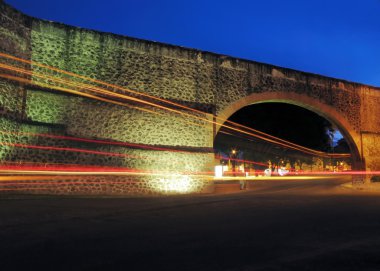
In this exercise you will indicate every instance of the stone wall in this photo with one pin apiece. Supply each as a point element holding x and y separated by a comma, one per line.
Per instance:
<point>207,82</point>
<point>28,109</point>
<point>14,40</point>
<point>370,123</point>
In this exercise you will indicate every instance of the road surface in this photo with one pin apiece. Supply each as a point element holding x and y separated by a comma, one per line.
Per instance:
<point>279,225</point>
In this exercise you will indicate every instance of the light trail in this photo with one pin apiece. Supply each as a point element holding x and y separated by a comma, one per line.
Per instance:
<point>97,141</point>
<point>70,150</point>
<point>162,100</point>
<point>323,154</point>
<point>103,142</point>
<point>87,151</point>
<point>334,173</point>
<point>276,178</point>
<point>306,173</point>
<point>53,183</point>
<point>61,177</point>
<point>288,144</point>
<point>276,140</point>
<point>137,93</point>
<point>52,179</point>
<point>97,81</point>
<point>122,144</point>
<point>67,168</point>
<point>23,189</point>
<point>259,134</point>
<point>33,175</point>
<point>11,165</point>
<point>94,170</point>
<point>16,167</point>
<point>29,82</point>
<point>118,103</point>
<point>79,93</point>
<point>90,88</point>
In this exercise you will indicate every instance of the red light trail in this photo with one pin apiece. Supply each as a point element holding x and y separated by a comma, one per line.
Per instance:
<point>96,141</point>
<point>78,90</point>
<point>68,149</point>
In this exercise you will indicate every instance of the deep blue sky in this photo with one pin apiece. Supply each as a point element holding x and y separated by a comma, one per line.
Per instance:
<point>337,38</point>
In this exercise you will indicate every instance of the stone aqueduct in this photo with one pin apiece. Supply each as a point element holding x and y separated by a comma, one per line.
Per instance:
<point>214,84</point>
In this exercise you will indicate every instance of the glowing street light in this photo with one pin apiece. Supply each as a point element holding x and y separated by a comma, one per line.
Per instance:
<point>233,160</point>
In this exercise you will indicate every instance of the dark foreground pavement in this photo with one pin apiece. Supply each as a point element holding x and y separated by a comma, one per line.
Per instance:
<point>281,225</point>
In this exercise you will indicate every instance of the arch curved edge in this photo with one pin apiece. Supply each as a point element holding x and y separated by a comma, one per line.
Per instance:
<point>352,136</point>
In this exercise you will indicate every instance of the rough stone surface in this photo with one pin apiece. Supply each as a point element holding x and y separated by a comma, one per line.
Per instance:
<point>210,83</point>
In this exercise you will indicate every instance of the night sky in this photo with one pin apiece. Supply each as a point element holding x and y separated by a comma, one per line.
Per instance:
<point>339,38</point>
<point>286,121</point>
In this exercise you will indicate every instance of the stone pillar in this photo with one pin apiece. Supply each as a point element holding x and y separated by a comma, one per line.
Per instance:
<point>370,134</point>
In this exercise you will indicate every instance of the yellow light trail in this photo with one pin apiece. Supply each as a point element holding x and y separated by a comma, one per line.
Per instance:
<point>297,147</point>
<point>138,93</point>
<point>90,88</point>
<point>175,111</point>
<point>323,154</point>
<point>28,81</point>
<point>79,93</point>
<point>303,149</point>
<point>273,139</point>
<point>76,92</point>
<point>159,99</point>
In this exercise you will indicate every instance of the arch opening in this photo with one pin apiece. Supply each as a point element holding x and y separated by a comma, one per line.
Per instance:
<point>335,134</point>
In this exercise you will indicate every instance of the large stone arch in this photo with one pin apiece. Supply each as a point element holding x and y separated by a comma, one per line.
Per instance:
<point>328,112</point>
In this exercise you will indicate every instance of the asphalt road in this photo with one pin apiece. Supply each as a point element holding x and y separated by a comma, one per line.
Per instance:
<point>280,225</point>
